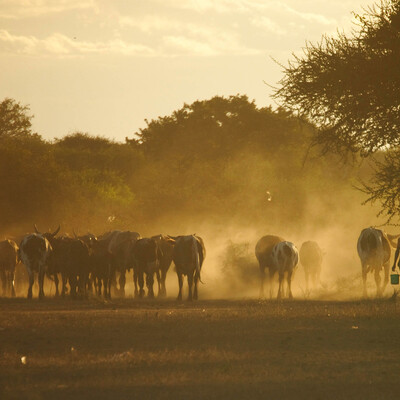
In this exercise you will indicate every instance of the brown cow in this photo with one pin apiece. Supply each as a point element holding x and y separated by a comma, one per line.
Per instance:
<point>8,261</point>
<point>311,257</point>
<point>263,253</point>
<point>189,255</point>
<point>166,245</point>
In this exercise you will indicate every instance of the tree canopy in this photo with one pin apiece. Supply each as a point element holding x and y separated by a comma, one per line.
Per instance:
<point>349,87</point>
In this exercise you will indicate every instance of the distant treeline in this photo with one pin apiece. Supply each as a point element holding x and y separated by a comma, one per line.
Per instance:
<point>219,160</point>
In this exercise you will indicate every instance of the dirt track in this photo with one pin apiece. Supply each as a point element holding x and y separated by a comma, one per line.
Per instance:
<point>209,349</point>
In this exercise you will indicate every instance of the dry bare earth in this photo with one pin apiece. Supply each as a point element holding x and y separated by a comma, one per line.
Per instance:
<point>209,349</point>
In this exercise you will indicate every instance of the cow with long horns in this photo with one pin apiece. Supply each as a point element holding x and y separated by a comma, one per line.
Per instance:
<point>34,251</point>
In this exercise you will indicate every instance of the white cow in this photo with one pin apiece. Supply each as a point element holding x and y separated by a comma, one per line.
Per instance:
<point>34,252</point>
<point>286,257</point>
<point>374,250</point>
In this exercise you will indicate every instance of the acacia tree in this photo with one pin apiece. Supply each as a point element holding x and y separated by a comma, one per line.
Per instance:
<point>349,87</point>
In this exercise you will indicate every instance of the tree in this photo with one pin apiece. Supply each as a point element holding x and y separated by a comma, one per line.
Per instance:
<point>14,119</point>
<point>349,86</point>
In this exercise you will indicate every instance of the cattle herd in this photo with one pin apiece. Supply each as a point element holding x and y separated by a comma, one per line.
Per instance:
<point>96,264</point>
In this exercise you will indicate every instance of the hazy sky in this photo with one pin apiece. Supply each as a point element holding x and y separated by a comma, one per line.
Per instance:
<point>103,66</point>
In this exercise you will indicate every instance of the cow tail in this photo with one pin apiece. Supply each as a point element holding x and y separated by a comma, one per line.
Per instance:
<point>196,255</point>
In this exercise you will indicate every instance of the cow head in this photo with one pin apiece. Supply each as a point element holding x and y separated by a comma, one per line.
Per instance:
<point>47,235</point>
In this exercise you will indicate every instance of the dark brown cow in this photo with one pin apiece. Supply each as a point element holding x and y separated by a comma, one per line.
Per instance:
<point>89,239</point>
<point>265,259</point>
<point>70,258</point>
<point>189,254</point>
<point>147,255</point>
<point>102,267</point>
<point>120,245</point>
<point>166,245</point>
<point>8,261</point>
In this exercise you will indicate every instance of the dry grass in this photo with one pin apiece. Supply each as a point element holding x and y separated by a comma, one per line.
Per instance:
<point>209,349</point>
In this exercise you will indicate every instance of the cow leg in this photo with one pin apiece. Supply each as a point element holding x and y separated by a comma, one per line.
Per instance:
<point>271,275</point>
<point>135,282</point>
<point>289,284</point>
<point>141,283</point>
<point>195,295</point>
<point>149,284</point>
<point>12,282</point>
<point>31,279</point>
<point>158,276</point>
<point>3,277</point>
<point>163,278</point>
<point>190,284</point>
<point>307,277</point>
<point>280,289</point>
<point>262,279</point>
<point>56,282</point>
<point>180,282</point>
<point>122,281</point>
<point>386,276</point>
<point>41,281</point>
<point>64,285</point>
<point>72,285</point>
<point>364,279</point>
<point>378,282</point>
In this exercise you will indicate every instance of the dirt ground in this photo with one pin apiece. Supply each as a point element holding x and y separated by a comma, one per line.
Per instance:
<point>210,349</point>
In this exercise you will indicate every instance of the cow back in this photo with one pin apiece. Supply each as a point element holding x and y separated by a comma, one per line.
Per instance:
<point>8,255</point>
<point>264,247</point>
<point>311,254</point>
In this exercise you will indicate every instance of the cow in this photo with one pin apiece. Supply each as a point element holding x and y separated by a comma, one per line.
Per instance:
<point>147,255</point>
<point>263,253</point>
<point>102,267</point>
<point>396,256</point>
<point>285,258</point>
<point>188,256</point>
<point>374,250</point>
<point>166,245</point>
<point>89,239</point>
<point>8,261</point>
<point>70,258</point>
<point>311,257</point>
<point>120,244</point>
<point>34,251</point>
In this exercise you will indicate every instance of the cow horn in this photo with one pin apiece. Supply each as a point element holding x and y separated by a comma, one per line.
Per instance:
<point>76,236</point>
<point>36,229</point>
<point>56,231</point>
